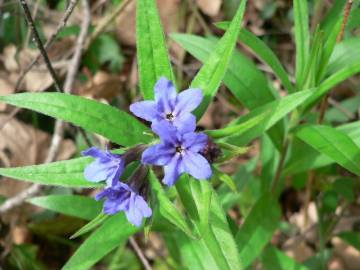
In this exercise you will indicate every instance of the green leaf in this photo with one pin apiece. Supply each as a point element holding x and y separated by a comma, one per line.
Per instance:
<point>104,50</point>
<point>352,238</point>
<point>341,75</point>
<point>264,53</point>
<point>226,179</point>
<point>91,115</point>
<point>306,157</point>
<point>236,130</point>
<point>100,218</point>
<point>69,173</point>
<point>243,78</point>
<point>257,229</point>
<point>301,20</point>
<point>152,55</point>
<point>345,53</point>
<point>274,259</point>
<point>167,209</point>
<point>334,144</point>
<point>241,84</point>
<point>112,233</point>
<point>72,205</point>
<point>277,110</point>
<point>216,244</point>
<point>212,72</point>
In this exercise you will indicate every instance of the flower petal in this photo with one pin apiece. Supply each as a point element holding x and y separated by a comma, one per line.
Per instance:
<point>159,154</point>
<point>145,109</point>
<point>99,171</point>
<point>173,170</point>
<point>166,131</point>
<point>165,95</point>
<point>196,165</point>
<point>95,153</point>
<point>188,100</point>
<point>144,208</point>
<point>195,142</point>
<point>185,123</point>
<point>133,214</point>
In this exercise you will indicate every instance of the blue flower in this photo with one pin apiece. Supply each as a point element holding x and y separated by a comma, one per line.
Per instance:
<point>170,106</point>
<point>106,166</point>
<point>121,197</point>
<point>178,152</point>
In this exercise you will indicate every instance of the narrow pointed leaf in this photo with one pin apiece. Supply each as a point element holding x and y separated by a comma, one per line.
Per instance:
<point>216,241</point>
<point>307,158</point>
<point>100,218</point>
<point>336,78</point>
<point>91,115</point>
<point>69,173</point>
<point>115,231</point>
<point>72,205</point>
<point>152,55</point>
<point>274,259</point>
<point>257,230</point>
<point>167,209</point>
<point>212,72</point>
<point>277,110</point>
<point>333,143</point>
<point>264,53</point>
<point>301,20</point>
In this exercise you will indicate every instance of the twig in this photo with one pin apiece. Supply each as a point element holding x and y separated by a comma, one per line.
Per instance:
<point>39,43</point>
<point>59,125</point>
<point>34,14</point>
<point>106,21</point>
<point>139,253</point>
<point>49,42</point>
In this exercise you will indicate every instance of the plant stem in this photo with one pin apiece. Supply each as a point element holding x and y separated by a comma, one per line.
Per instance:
<point>39,44</point>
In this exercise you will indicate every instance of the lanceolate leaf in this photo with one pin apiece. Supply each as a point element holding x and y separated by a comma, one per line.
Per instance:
<point>216,241</point>
<point>152,55</point>
<point>257,229</point>
<point>302,39</point>
<point>68,173</point>
<point>308,158</point>
<point>330,82</point>
<point>114,232</point>
<point>334,144</point>
<point>73,205</point>
<point>243,78</point>
<point>274,259</point>
<point>276,111</point>
<point>210,75</point>
<point>167,208</point>
<point>93,116</point>
<point>264,53</point>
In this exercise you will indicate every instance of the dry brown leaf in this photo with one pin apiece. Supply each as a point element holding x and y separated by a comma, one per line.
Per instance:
<point>22,145</point>
<point>103,86</point>
<point>209,7</point>
<point>126,21</point>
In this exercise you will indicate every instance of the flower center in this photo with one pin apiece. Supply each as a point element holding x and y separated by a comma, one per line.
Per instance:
<point>179,149</point>
<point>169,116</point>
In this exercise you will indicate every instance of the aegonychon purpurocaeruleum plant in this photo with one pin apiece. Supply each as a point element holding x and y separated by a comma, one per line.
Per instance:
<point>165,174</point>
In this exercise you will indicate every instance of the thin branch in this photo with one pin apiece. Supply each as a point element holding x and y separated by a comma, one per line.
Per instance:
<point>49,42</point>
<point>106,21</point>
<point>140,254</point>
<point>39,43</point>
<point>59,125</point>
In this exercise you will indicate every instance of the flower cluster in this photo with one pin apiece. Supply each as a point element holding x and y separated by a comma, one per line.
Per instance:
<point>171,118</point>
<point>180,151</point>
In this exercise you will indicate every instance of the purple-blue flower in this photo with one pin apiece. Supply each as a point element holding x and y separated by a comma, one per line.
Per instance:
<point>106,166</point>
<point>178,152</point>
<point>121,197</point>
<point>170,106</point>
